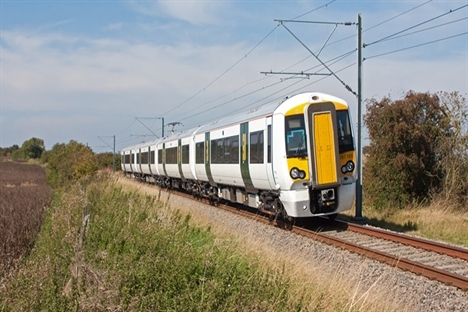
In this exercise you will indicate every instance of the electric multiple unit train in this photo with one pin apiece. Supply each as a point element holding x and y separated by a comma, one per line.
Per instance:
<point>292,159</point>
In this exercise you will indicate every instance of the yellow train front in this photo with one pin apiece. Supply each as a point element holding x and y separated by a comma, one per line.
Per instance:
<point>314,163</point>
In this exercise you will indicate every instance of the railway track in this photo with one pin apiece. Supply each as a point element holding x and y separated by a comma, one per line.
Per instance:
<point>441,262</point>
<point>444,263</point>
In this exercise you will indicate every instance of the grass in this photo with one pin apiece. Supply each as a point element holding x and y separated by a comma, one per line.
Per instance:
<point>439,221</point>
<point>107,246</point>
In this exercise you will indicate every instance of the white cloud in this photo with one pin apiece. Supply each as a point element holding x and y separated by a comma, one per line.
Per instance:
<point>192,11</point>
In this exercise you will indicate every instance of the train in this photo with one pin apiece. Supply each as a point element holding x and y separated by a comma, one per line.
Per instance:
<point>293,158</point>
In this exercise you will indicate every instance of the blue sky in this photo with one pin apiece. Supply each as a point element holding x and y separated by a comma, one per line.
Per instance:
<point>84,70</point>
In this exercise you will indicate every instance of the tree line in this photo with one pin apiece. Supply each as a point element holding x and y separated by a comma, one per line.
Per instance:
<point>65,162</point>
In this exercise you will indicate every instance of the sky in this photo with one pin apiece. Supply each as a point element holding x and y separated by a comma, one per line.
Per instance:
<point>107,71</point>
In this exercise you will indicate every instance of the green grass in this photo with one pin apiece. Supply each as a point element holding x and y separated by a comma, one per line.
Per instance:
<point>105,248</point>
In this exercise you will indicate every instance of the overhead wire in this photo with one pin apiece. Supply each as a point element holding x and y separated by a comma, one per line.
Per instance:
<point>289,86</point>
<point>242,58</point>
<point>329,62</point>
<point>226,71</point>
<point>414,26</point>
<point>381,23</point>
<point>415,46</point>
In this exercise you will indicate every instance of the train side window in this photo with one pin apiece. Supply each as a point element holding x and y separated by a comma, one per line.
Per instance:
<point>127,158</point>
<point>234,149</point>
<point>133,158</point>
<point>216,150</point>
<point>171,155</point>
<point>152,158</point>
<point>256,147</point>
<point>200,153</point>
<point>144,158</point>
<point>160,154</point>
<point>185,154</point>
<point>225,151</point>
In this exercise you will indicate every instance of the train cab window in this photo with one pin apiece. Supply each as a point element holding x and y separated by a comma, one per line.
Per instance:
<point>345,136</point>
<point>256,147</point>
<point>296,140</point>
<point>200,153</point>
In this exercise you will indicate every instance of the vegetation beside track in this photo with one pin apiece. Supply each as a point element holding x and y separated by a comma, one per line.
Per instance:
<point>103,247</point>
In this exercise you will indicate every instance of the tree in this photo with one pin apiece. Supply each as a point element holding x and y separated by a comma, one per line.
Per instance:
<point>7,151</point>
<point>408,142</point>
<point>454,149</point>
<point>31,149</point>
<point>68,162</point>
<point>106,160</point>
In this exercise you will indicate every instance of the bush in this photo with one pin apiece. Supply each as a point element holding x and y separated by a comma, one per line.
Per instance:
<point>106,161</point>
<point>69,162</point>
<point>416,143</point>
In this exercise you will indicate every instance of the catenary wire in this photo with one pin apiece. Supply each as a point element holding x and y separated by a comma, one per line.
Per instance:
<point>415,46</point>
<point>414,26</point>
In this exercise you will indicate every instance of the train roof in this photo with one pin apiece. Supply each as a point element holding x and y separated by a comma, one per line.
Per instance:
<point>254,113</point>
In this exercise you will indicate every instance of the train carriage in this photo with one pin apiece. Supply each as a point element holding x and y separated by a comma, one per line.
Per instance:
<point>290,159</point>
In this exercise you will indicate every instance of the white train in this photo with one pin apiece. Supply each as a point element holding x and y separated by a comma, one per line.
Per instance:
<point>292,159</point>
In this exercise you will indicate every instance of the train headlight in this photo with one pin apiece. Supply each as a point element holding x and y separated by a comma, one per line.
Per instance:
<point>295,173</point>
<point>302,174</point>
<point>349,167</point>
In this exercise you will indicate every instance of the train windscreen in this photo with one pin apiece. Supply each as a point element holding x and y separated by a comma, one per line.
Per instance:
<point>345,136</point>
<point>296,140</point>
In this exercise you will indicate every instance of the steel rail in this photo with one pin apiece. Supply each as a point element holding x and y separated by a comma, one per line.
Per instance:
<point>417,242</point>
<point>399,262</point>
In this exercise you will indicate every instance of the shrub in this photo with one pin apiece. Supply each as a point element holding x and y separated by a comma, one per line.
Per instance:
<point>415,144</point>
<point>69,162</point>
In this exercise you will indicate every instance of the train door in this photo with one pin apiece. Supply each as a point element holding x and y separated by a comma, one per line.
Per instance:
<point>323,142</point>
<point>269,153</point>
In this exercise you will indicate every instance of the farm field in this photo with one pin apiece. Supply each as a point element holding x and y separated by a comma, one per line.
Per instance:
<point>25,196</point>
